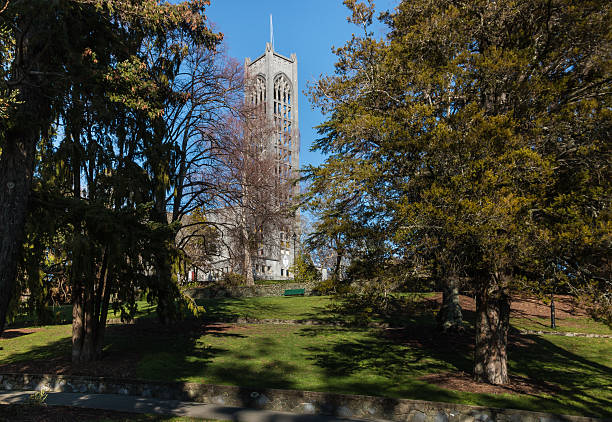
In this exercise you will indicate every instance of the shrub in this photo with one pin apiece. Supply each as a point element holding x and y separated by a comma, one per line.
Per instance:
<point>232,280</point>
<point>304,269</point>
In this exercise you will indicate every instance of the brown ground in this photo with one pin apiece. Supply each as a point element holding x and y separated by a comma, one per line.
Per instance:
<point>462,381</point>
<point>114,366</point>
<point>18,332</point>
<point>526,307</point>
<point>521,307</point>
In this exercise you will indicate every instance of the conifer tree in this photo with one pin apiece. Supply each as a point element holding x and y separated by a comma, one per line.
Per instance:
<point>484,126</point>
<point>83,93</point>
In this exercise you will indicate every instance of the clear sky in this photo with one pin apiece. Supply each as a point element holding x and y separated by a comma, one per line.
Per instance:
<point>308,28</point>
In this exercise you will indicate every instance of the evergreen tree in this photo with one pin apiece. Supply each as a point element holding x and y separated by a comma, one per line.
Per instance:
<point>481,128</point>
<point>86,84</point>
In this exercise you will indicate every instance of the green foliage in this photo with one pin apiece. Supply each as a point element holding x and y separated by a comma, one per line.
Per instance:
<point>38,398</point>
<point>304,270</point>
<point>101,172</point>
<point>327,287</point>
<point>471,149</point>
<point>472,143</point>
<point>232,279</point>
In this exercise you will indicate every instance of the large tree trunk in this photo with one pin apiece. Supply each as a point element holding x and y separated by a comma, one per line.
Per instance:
<point>84,327</point>
<point>450,317</point>
<point>77,323</point>
<point>15,175</point>
<point>165,300</point>
<point>89,311</point>
<point>492,323</point>
<point>21,133</point>
<point>16,169</point>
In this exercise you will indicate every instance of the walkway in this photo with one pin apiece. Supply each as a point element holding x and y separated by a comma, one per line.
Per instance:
<point>135,404</point>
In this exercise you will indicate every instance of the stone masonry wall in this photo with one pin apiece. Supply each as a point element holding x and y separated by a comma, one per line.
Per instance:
<point>303,402</point>
<point>248,291</point>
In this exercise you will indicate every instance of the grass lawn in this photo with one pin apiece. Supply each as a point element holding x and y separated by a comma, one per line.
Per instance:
<point>579,324</point>
<point>575,372</point>
<point>63,314</point>
<point>280,307</point>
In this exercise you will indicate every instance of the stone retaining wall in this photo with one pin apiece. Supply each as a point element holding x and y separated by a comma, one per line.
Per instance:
<point>248,291</point>
<point>564,333</point>
<point>303,402</point>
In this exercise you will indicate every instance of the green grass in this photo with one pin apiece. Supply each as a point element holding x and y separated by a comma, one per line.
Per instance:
<point>62,314</point>
<point>283,308</point>
<point>355,361</point>
<point>45,343</point>
<point>342,359</point>
<point>580,324</point>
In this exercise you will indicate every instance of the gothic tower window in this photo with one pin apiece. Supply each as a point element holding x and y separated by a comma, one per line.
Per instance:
<point>282,121</point>
<point>258,94</point>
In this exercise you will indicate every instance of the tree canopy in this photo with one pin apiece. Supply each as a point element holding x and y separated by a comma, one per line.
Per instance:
<point>86,158</point>
<point>478,133</point>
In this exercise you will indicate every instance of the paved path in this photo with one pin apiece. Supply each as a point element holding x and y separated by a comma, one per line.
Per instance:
<point>169,407</point>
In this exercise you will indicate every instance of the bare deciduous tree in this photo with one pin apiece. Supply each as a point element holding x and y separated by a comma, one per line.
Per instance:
<point>255,207</point>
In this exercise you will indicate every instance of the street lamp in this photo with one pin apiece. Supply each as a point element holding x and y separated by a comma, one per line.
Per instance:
<point>294,237</point>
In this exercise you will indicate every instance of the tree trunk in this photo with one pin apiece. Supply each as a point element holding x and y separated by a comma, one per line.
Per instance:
<point>84,322</point>
<point>165,299</point>
<point>77,322</point>
<point>88,324</point>
<point>336,270</point>
<point>32,117</point>
<point>553,319</point>
<point>492,323</point>
<point>450,317</point>
<point>16,168</point>
<point>14,194</point>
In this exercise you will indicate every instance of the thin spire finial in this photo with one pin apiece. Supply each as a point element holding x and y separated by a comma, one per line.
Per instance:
<point>271,32</point>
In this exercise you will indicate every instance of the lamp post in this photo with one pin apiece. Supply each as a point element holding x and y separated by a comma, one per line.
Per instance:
<point>294,237</point>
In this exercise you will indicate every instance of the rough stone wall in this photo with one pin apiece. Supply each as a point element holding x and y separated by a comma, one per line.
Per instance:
<point>249,291</point>
<point>303,402</point>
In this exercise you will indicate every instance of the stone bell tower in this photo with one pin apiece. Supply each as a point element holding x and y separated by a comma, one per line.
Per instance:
<point>274,85</point>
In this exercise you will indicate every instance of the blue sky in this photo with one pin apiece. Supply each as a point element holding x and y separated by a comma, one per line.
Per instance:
<point>308,28</point>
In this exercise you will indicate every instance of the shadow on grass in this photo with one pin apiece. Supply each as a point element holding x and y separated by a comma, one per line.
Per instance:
<point>62,314</point>
<point>361,311</point>
<point>225,309</point>
<point>145,349</point>
<point>384,362</point>
<point>583,384</point>
<point>399,357</point>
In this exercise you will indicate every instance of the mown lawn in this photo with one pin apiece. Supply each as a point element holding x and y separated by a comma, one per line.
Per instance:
<point>343,359</point>
<point>283,308</point>
<point>62,314</point>
<point>578,324</point>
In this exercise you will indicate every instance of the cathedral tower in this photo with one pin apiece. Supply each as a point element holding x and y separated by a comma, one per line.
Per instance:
<point>273,84</point>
